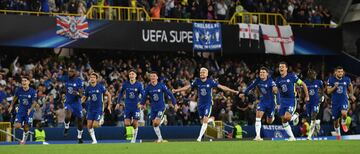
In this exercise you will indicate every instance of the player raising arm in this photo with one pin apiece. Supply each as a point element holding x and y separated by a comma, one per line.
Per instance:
<point>268,92</point>
<point>204,87</point>
<point>155,90</point>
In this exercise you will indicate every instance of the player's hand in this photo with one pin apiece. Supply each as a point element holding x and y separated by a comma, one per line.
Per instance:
<point>171,105</point>
<point>307,98</point>
<point>142,107</point>
<point>241,95</point>
<point>174,91</point>
<point>353,98</point>
<point>277,106</point>
<point>28,113</point>
<point>322,99</point>
<point>10,109</point>
<point>109,108</point>
<point>336,84</point>
<point>117,107</point>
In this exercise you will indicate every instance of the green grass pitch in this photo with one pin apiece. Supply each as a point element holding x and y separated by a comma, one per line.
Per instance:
<point>216,147</point>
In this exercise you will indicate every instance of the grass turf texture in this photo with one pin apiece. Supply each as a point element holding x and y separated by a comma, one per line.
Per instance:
<point>226,147</point>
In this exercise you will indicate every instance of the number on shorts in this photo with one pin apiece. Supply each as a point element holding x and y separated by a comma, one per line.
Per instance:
<point>160,114</point>
<point>291,109</point>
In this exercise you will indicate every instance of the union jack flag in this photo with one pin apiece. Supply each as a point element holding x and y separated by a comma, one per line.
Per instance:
<point>72,27</point>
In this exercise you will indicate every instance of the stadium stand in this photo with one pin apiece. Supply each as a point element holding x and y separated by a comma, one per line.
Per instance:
<point>298,11</point>
<point>175,69</point>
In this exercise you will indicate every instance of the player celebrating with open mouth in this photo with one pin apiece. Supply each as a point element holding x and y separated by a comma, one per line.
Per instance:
<point>204,87</point>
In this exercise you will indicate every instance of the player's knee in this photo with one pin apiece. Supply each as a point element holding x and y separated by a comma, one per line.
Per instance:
<point>26,127</point>
<point>156,123</point>
<point>127,123</point>
<point>89,126</point>
<point>286,118</point>
<point>17,126</point>
<point>96,125</point>
<point>205,120</point>
<point>135,124</point>
<point>313,117</point>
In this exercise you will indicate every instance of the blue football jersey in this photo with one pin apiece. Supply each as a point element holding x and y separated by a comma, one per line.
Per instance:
<point>204,90</point>
<point>25,99</point>
<point>133,94</point>
<point>313,87</point>
<point>95,97</point>
<point>265,88</point>
<point>71,86</point>
<point>286,85</point>
<point>156,94</point>
<point>341,92</point>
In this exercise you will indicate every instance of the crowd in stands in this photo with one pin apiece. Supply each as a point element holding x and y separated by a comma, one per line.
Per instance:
<point>176,70</point>
<point>302,11</point>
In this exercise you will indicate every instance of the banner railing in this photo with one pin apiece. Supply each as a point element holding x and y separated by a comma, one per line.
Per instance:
<point>118,13</point>
<point>258,18</point>
<point>36,13</point>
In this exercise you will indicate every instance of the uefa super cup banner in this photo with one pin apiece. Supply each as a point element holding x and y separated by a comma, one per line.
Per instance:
<point>274,131</point>
<point>207,36</point>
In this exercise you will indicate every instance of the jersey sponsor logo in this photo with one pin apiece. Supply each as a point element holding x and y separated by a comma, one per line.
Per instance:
<point>94,97</point>
<point>155,97</point>
<point>203,92</point>
<point>70,90</point>
<point>131,95</point>
<point>312,92</point>
<point>25,101</point>
<point>284,88</point>
<point>263,90</point>
<point>340,90</point>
